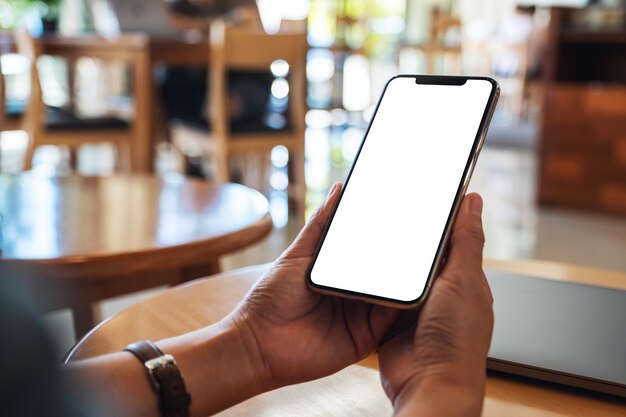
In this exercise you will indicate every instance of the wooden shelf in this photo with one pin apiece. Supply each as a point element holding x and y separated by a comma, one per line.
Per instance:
<point>582,158</point>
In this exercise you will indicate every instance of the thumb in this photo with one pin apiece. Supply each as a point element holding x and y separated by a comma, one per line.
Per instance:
<point>310,235</point>
<point>468,239</point>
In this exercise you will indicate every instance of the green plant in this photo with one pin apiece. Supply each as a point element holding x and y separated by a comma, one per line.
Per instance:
<point>48,9</point>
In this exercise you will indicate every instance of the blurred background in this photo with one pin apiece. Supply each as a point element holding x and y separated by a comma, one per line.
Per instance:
<point>553,169</point>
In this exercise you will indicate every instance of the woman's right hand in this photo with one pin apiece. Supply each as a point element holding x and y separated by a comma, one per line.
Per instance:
<point>434,364</point>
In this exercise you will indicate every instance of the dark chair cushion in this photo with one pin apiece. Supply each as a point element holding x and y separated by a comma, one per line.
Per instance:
<point>61,119</point>
<point>247,126</point>
<point>15,108</point>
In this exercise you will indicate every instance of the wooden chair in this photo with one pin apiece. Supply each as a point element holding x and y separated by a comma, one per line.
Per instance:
<point>61,127</point>
<point>245,48</point>
<point>515,84</point>
<point>11,113</point>
<point>441,23</point>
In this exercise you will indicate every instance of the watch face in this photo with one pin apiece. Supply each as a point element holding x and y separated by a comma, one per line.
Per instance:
<point>160,362</point>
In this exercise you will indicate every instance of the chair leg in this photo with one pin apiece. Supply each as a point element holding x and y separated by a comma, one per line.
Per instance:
<point>83,320</point>
<point>73,158</point>
<point>253,171</point>
<point>125,157</point>
<point>298,181</point>
<point>196,271</point>
<point>265,168</point>
<point>222,169</point>
<point>28,156</point>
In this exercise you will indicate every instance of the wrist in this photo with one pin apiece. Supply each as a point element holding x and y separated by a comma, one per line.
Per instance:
<point>250,348</point>
<point>219,366</point>
<point>442,391</point>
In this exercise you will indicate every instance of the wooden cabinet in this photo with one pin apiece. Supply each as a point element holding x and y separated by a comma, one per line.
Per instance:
<point>582,158</point>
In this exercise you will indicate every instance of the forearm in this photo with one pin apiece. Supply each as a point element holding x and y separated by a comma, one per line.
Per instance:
<point>217,365</point>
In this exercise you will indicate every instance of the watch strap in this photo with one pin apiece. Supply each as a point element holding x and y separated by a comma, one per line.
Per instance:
<point>144,351</point>
<point>165,378</point>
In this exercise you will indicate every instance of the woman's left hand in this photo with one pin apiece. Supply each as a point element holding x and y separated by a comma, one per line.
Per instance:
<point>297,334</point>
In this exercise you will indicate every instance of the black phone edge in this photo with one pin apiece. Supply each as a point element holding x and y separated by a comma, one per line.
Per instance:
<point>468,170</point>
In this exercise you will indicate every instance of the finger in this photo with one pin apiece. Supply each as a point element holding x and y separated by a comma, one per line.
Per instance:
<point>381,321</point>
<point>311,233</point>
<point>468,239</point>
<point>406,319</point>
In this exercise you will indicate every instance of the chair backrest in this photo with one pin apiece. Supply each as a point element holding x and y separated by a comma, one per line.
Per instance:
<point>250,48</point>
<point>3,110</point>
<point>441,22</point>
<point>7,121</point>
<point>28,47</point>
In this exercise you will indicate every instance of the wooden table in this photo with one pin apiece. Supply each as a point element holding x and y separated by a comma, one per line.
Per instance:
<point>355,391</point>
<point>77,240</point>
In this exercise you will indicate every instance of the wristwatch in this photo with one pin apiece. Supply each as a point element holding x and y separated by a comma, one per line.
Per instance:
<point>165,378</point>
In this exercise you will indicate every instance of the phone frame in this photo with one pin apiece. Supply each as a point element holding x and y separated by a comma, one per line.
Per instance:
<point>461,190</point>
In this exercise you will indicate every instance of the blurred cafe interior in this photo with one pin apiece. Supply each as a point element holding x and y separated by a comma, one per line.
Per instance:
<point>147,143</point>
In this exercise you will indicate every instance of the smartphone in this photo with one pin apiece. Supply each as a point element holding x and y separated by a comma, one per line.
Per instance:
<point>388,234</point>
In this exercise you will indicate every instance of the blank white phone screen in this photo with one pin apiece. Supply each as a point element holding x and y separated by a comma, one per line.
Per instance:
<point>385,233</point>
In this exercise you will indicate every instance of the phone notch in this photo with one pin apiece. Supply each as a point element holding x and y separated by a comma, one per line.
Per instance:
<point>439,80</point>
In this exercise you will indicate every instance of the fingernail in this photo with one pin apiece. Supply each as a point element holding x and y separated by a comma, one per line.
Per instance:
<point>476,205</point>
<point>332,190</point>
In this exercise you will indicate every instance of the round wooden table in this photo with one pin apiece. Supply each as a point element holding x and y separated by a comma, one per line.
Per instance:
<point>356,390</point>
<point>75,240</point>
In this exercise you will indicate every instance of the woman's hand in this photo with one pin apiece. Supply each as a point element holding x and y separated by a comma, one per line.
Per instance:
<point>437,365</point>
<point>297,334</point>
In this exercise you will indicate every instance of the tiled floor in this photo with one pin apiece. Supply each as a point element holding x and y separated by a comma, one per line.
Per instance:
<point>514,226</point>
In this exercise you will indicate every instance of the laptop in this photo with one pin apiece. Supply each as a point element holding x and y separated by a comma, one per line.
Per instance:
<point>561,332</point>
